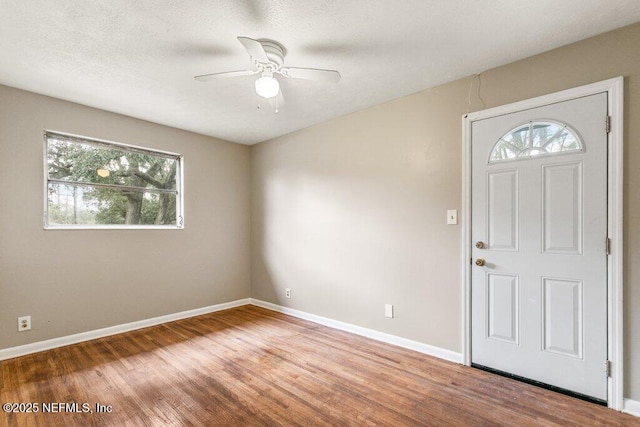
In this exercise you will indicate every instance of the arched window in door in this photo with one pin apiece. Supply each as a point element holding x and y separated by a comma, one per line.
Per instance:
<point>533,139</point>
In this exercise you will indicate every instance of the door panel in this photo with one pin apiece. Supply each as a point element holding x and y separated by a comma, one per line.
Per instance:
<point>539,302</point>
<point>562,308</point>
<point>562,208</point>
<point>502,309</point>
<point>502,201</point>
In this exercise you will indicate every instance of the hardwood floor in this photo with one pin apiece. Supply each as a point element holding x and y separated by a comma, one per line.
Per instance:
<point>250,366</point>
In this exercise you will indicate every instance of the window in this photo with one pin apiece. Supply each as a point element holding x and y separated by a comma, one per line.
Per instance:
<point>535,139</point>
<point>99,184</point>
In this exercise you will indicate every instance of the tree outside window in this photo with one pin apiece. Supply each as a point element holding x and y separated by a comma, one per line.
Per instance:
<point>93,183</point>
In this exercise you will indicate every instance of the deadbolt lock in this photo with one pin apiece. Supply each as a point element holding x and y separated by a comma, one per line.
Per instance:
<point>480,262</point>
<point>480,245</point>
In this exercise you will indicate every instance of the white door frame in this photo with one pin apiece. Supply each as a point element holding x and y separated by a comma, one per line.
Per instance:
<point>614,89</point>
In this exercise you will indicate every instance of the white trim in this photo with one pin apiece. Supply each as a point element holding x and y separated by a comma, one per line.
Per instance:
<point>72,227</point>
<point>615,231</point>
<point>466,240</point>
<point>631,407</point>
<point>124,147</point>
<point>22,350</point>
<point>614,89</point>
<point>438,352</point>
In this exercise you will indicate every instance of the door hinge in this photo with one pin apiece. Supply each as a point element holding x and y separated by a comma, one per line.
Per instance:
<point>607,368</point>
<point>607,125</point>
<point>608,246</point>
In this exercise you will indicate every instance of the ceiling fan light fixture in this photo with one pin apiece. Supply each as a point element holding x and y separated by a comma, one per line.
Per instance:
<point>267,86</point>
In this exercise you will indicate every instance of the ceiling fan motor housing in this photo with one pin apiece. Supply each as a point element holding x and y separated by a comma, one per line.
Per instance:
<point>275,52</point>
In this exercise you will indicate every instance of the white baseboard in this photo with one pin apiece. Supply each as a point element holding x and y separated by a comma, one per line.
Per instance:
<point>22,350</point>
<point>631,407</point>
<point>438,352</point>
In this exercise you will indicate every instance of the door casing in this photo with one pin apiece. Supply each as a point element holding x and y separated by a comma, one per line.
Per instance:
<point>614,89</point>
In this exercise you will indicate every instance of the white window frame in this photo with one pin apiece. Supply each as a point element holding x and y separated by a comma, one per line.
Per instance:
<point>127,148</point>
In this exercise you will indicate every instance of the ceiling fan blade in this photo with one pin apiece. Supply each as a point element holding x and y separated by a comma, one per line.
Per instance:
<point>254,48</point>
<point>331,76</point>
<point>277,101</point>
<point>239,73</point>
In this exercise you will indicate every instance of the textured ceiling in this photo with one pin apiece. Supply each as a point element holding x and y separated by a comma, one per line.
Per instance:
<point>139,57</point>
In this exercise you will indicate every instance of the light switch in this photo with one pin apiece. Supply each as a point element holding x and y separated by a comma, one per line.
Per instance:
<point>388,310</point>
<point>452,216</point>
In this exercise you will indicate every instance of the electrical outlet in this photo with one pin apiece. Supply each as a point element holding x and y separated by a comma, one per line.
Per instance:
<point>24,323</point>
<point>388,310</point>
<point>287,293</point>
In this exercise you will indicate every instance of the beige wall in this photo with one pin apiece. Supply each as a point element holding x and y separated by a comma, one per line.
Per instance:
<point>81,280</point>
<point>350,214</point>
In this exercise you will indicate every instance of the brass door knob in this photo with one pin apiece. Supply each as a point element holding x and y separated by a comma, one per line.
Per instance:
<point>480,245</point>
<point>480,262</point>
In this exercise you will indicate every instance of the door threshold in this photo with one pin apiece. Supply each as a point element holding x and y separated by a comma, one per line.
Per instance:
<point>541,385</point>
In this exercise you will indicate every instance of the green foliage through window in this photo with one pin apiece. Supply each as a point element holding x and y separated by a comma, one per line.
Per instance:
<point>98,183</point>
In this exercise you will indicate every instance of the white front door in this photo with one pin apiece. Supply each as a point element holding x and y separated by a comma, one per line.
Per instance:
<point>539,222</point>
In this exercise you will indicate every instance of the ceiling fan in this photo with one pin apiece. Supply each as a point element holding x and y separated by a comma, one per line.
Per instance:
<point>268,59</point>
